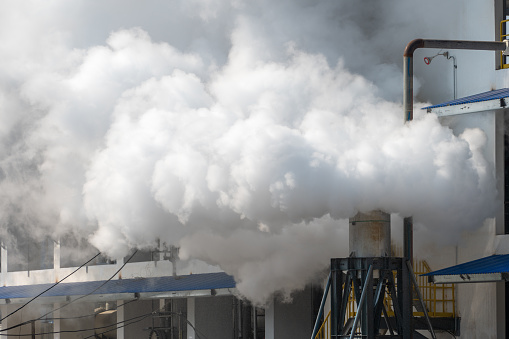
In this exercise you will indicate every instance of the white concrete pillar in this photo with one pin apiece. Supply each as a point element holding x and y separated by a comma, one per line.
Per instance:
<point>269,321</point>
<point>191,318</point>
<point>120,319</point>
<point>56,260</point>
<point>56,321</point>
<point>162,307</point>
<point>3,264</point>
<point>119,263</point>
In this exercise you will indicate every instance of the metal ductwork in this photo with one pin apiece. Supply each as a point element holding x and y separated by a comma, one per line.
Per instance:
<point>370,234</point>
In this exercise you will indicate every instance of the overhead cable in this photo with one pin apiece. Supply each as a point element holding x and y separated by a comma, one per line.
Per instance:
<point>49,288</point>
<point>72,301</point>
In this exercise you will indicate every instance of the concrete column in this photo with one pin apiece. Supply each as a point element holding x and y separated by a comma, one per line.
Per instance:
<point>501,300</point>
<point>191,318</point>
<point>3,264</point>
<point>120,318</point>
<point>120,262</point>
<point>269,321</point>
<point>56,321</point>
<point>162,308</point>
<point>56,260</point>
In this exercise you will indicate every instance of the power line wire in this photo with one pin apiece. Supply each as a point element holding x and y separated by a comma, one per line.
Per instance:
<point>86,315</point>
<point>123,323</point>
<point>49,288</point>
<point>126,323</point>
<point>199,334</point>
<point>131,320</point>
<point>72,301</point>
<point>86,295</point>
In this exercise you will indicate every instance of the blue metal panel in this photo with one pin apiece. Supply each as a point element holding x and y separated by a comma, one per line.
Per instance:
<point>159,284</point>
<point>491,95</point>
<point>492,264</point>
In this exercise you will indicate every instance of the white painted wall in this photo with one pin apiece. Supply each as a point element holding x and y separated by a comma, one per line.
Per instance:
<point>478,304</point>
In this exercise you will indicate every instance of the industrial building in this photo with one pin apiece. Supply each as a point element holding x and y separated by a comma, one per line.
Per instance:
<point>138,299</point>
<point>464,288</point>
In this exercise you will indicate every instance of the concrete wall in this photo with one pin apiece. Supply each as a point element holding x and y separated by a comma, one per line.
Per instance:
<point>77,310</point>
<point>136,308</point>
<point>214,317</point>
<point>479,304</point>
<point>295,320</point>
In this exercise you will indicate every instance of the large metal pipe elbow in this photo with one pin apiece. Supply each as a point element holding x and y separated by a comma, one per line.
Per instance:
<point>412,46</point>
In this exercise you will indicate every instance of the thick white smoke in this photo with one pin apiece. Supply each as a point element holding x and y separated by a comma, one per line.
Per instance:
<point>243,132</point>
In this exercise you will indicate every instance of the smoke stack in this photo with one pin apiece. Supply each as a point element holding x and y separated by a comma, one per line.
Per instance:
<point>370,234</point>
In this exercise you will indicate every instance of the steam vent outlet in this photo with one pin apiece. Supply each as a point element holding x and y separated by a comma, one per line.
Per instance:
<point>370,234</point>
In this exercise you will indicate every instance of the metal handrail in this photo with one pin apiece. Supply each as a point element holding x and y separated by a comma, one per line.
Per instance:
<point>324,331</point>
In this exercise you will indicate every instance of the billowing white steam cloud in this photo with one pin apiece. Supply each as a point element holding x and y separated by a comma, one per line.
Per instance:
<point>243,132</point>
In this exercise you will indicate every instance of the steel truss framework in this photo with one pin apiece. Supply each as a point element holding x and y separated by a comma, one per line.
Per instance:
<point>371,279</point>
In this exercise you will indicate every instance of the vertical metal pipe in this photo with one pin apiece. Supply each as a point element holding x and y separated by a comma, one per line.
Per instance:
<point>255,323</point>
<point>408,103</point>
<point>408,87</point>
<point>454,75</point>
<point>369,306</point>
<point>335,300</point>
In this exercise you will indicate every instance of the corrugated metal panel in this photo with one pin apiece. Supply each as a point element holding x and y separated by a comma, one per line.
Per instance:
<point>491,95</point>
<point>142,285</point>
<point>492,264</point>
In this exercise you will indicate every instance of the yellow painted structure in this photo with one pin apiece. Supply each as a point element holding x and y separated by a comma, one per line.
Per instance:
<point>503,37</point>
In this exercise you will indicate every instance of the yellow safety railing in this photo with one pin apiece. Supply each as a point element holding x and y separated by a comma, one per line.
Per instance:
<point>503,37</point>
<point>324,331</point>
<point>438,298</point>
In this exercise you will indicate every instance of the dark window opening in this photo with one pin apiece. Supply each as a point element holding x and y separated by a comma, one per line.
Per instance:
<point>74,251</point>
<point>30,255</point>
<point>140,256</point>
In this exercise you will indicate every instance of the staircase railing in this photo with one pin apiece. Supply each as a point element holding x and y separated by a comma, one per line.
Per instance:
<point>324,331</point>
<point>438,298</point>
